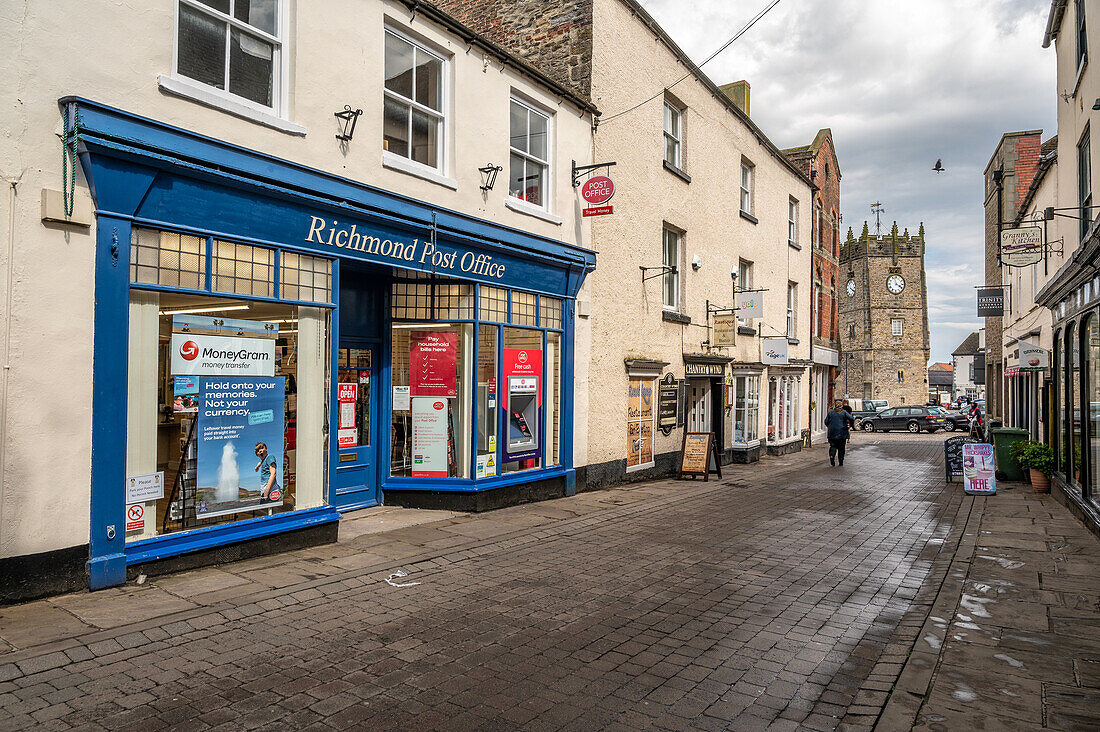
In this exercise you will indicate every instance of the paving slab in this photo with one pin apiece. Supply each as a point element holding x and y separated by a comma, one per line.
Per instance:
<point>121,606</point>
<point>38,622</point>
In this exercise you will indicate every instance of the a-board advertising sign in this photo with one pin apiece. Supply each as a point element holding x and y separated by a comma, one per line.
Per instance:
<point>597,190</point>
<point>991,302</point>
<point>979,470</point>
<point>697,454</point>
<point>668,402</point>
<point>347,396</point>
<point>432,363</point>
<point>774,351</point>
<point>1022,247</point>
<point>429,437</point>
<point>725,330</point>
<point>240,445</point>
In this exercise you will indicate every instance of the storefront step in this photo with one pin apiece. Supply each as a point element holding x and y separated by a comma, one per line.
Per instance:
<point>478,501</point>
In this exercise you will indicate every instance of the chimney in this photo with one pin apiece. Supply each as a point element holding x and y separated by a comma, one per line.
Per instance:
<point>738,92</point>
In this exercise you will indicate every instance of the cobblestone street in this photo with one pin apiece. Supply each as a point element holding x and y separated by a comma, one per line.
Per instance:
<point>787,595</point>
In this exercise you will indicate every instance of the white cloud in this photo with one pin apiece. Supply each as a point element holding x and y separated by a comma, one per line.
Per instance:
<point>900,84</point>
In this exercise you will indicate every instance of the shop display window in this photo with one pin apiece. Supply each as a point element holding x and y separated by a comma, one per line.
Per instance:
<point>746,408</point>
<point>783,407</point>
<point>640,422</point>
<point>227,403</point>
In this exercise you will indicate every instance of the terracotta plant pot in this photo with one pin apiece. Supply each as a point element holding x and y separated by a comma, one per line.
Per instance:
<point>1039,482</point>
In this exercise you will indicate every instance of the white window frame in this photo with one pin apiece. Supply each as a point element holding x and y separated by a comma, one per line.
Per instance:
<point>652,423</point>
<point>748,172</point>
<point>673,276</point>
<point>744,283</point>
<point>273,116</point>
<point>749,412</point>
<point>405,162</point>
<point>548,187</point>
<point>817,315</point>
<point>792,222</point>
<point>1084,180</point>
<point>672,111</point>
<point>897,326</point>
<point>792,310</point>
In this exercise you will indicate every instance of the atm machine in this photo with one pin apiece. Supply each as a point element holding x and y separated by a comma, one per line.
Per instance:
<point>523,418</point>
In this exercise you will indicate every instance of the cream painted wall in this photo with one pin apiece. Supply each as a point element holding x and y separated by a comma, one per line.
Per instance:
<point>113,53</point>
<point>629,66</point>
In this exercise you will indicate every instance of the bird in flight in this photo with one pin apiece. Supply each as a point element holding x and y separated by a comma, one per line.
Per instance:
<point>938,167</point>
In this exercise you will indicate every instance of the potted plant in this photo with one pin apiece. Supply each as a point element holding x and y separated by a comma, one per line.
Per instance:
<point>1016,452</point>
<point>1039,460</point>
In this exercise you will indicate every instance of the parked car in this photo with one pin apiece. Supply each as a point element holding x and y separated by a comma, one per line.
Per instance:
<point>953,419</point>
<point>913,419</point>
<point>866,408</point>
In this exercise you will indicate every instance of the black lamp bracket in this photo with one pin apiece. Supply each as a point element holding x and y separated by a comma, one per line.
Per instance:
<point>490,172</point>
<point>579,170</point>
<point>348,117</point>
<point>661,270</point>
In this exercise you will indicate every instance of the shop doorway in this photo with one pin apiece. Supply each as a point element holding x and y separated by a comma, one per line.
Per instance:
<point>356,425</point>
<point>699,407</point>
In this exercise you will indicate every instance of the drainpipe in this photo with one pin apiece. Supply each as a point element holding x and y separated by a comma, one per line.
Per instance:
<point>6,368</point>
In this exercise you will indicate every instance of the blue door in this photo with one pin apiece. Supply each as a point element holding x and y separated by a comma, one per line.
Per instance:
<point>356,422</point>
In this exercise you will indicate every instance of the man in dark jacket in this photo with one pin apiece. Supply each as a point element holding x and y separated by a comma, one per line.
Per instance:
<point>838,422</point>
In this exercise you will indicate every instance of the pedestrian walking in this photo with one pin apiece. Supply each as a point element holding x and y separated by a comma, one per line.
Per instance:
<point>838,423</point>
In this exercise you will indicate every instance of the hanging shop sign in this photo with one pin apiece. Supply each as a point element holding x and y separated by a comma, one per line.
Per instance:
<point>668,403</point>
<point>1022,247</point>
<point>979,469</point>
<point>774,351</point>
<point>597,211</point>
<point>750,304</point>
<point>240,440</point>
<point>347,396</point>
<point>1033,358</point>
<point>991,302</point>
<point>693,368</point>
<point>725,330</point>
<point>433,365</point>
<point>429,441</point>
<point>598,189</point>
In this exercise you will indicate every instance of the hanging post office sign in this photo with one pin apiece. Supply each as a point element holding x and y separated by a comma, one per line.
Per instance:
<point>991,302</point>
<point>1022,247</point>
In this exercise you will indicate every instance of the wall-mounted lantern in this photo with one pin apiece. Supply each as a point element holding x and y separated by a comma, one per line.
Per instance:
<point>489,176</point>
<point>347,122</point>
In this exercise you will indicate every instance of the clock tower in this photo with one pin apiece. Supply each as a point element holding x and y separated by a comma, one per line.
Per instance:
<point>884,317</point>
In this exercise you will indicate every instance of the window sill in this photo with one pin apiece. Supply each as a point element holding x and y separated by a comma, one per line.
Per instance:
<point>671,316</point>
<point>212,98</point>
<point>742,445</point>
<point>636,468</point>
<point>418,170</point>
<point>677,172</point>
<point>749,217</point>
<point>785,440</point>
<point>529,209</point>
<point>794,245</point>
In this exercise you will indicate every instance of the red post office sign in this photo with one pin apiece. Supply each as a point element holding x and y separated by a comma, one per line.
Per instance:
<point>597,211</point>
<point>598,189</point>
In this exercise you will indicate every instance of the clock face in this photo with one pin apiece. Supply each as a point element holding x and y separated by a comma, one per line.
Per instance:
<point>851,288</point>
<point>895,283</point>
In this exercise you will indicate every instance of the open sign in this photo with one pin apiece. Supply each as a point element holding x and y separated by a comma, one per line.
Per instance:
<point>598,189</point>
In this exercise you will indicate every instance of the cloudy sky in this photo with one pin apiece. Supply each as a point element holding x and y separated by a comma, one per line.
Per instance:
<point>900,84</point>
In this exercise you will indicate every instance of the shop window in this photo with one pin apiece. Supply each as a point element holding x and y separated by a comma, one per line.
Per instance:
<point>488,401</point>
<point>412,110</point>
<point>784,393</point>
<point>640,423</point>
<point>529,170</point>
<point>303,277</point>
<point>672,135</point>
<point>430,425</point>
<point>554,393</point>
<point>746,409</point>
<point>454,301</point>
<point>232,440</point>
<point>166,258</point>
<point>1056,417</point>
<point>523,308</point>
<point>234,46</point>
<point>1078,424</point>
<point>354,392</point>
<point>243,269</point>
<point>1068,393</point>
<point>493,304</point>
<point>549,312</point>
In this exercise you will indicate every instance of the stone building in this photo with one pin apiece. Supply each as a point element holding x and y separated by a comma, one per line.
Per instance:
<point>711,207</point>
<point>884,316</point>
<point>818,161</point>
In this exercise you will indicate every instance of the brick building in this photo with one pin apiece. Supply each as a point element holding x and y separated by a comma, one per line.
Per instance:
<point>884,316</point>
<point>1008,177</point>
<point>818,161</point>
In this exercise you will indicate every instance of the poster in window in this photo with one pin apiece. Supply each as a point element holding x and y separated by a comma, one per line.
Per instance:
<point>240,441</point>
<point>639,422</point>
<point>347,396</point>
<point>433,367</point>
<point>429,437</point>
<point>185,394</point>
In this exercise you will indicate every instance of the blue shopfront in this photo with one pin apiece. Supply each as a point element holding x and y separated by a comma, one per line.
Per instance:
<point>275,345</point>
